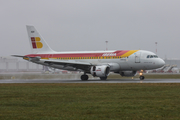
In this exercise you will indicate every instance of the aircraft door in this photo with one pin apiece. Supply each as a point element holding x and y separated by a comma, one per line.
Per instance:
<point>137,57</point>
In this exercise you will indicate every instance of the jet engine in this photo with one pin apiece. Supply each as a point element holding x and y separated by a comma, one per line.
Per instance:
<point>128,73</point>
<point>100,71</point>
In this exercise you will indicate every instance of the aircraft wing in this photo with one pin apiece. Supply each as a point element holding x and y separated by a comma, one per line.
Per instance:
<point>78,65</point>
<point>63,62</point>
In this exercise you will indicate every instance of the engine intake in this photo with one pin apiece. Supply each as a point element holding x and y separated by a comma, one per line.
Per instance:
<point>100,71</point>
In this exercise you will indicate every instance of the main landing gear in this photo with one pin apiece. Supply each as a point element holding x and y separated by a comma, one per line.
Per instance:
<point>84,77</point>
<point>103,78</point>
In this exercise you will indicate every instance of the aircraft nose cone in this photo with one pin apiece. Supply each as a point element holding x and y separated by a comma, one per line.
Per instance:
<point>161,63</point>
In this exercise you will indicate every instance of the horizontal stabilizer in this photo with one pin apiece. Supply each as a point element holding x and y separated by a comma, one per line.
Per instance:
<point>28,58</point>
<point>17,56</point>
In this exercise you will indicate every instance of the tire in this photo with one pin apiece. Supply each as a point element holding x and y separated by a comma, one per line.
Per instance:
<point>141,77</point>
<point>103,78</point>
<point>84,77</point>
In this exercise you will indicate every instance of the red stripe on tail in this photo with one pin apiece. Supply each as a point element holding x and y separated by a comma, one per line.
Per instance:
<point>33,42</point>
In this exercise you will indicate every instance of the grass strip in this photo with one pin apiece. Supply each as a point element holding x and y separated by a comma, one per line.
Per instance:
<point>136,101</point>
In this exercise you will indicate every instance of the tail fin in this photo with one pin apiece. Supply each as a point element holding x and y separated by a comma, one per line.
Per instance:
<point>38,44</point>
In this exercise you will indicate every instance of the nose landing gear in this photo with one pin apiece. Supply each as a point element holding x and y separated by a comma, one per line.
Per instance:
<point>141,75</point>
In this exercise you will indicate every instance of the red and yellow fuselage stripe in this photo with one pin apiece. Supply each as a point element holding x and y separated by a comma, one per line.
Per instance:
<point>105,55</point>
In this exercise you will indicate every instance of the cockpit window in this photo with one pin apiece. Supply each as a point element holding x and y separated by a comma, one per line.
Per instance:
<point>155,56</point>
<point>152,56</point>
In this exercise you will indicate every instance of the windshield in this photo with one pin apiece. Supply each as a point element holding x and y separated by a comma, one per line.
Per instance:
<point>152,56</point>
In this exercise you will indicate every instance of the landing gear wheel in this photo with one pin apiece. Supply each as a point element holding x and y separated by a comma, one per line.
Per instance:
<point>141,77</point>
<point>84,77</point>
<point>103,78</point>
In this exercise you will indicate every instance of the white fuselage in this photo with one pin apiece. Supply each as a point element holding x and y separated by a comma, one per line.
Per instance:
<point>134,62</point>
<point>96,63</point>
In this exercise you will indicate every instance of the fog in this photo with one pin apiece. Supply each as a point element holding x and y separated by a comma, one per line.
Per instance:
<point>81,25</point>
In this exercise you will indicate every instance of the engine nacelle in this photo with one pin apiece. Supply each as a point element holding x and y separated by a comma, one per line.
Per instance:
<point>100,71</point>
<point>128,73</point>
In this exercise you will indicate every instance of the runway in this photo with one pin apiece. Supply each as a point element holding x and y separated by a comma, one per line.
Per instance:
<point>91,81</point>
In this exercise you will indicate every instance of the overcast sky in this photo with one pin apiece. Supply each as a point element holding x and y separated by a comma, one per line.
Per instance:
<point>83,25</point>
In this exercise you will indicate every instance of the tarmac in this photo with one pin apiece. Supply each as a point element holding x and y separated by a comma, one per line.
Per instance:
<point>90,81</point>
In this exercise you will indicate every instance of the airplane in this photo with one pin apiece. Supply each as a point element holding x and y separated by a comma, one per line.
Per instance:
<point>97,63</point>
